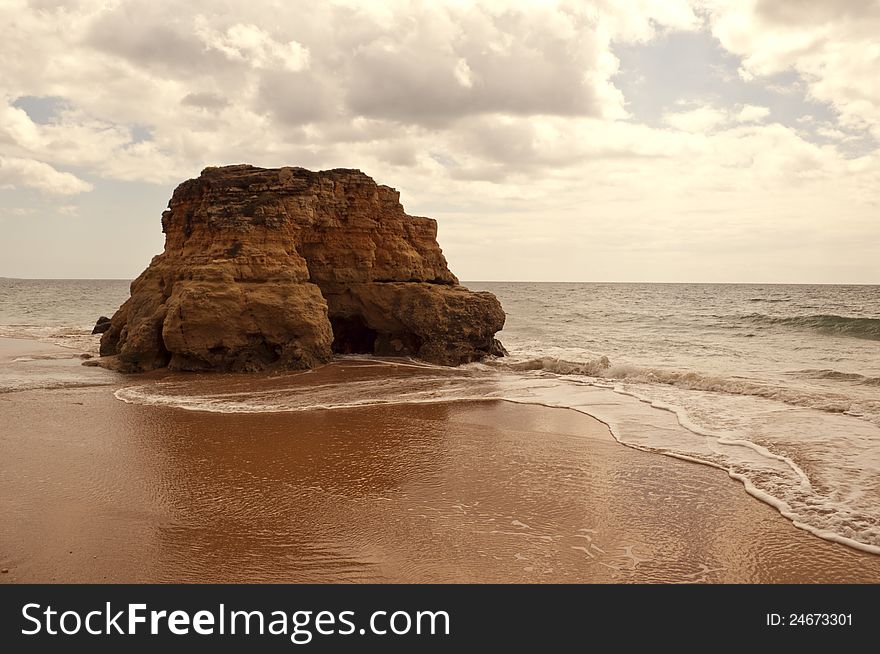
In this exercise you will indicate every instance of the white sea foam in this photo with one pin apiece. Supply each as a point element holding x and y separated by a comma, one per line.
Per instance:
<point>79,338</point>
<point>10,384</point>
<point>602,369</point>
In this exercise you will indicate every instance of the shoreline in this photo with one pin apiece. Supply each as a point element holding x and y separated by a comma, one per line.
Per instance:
<point>94,489</point>
<point>750,489</point>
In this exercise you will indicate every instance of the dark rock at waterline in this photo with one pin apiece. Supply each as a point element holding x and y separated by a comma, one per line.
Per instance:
<point>497,349</point>
<point>102,325</point>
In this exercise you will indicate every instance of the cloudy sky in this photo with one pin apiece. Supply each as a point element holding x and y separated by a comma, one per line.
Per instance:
<point>646,140</point>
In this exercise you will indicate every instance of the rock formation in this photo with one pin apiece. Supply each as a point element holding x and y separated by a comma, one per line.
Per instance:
<point>268,268</point>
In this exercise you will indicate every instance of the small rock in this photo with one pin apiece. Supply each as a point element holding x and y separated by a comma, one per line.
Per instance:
<point>496,349</point>
<point>4,571</point>
<point>102,325</point>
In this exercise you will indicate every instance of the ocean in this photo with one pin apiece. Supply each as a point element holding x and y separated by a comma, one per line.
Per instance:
<point>779,385</point>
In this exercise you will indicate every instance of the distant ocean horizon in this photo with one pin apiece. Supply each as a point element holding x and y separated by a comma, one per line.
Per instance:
<point>497,281</point>
<point>778,384</point>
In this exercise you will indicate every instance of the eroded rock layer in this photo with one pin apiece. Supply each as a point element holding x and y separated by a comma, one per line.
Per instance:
<point>281,267</point>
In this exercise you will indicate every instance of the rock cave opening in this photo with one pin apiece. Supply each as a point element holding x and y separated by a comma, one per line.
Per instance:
<point>352,336</point>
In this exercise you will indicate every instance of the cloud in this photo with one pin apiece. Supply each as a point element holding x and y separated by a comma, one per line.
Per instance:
<point>751,113</point>
<point>447,63</point>
<point>701,119</point>
<point>294,98</point>
<point>832,45</point>
<point>28,173</point>
<point>304,83</point>
<point>205,100</point>
<point>68,210</point>
<point>17,211</point>
<point>76,139</point>
<point>248,43</point>
<point>812,12</point>
<point>139,34</point>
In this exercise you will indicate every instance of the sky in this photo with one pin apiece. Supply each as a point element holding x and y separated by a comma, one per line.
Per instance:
<point>647,140</point>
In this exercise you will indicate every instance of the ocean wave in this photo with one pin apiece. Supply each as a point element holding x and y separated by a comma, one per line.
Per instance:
<point>836,375</point>
<point>78,338</point>
<point>426,389</point>
<point>602,369</point>
<point>770,299</point>
<point>829,324</point>
<point>19,385</point>
<point>46,357</point>
<point>594,368</point>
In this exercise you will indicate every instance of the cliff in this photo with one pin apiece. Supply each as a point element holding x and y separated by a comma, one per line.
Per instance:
<point>280,268</point>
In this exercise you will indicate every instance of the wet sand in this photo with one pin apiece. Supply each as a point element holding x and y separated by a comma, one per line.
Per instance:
<point>96,490</point>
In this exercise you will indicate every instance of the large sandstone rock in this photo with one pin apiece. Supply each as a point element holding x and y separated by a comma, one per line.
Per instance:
<point>282,267</point>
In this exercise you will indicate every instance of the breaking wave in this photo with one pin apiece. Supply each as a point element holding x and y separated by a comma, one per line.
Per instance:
<point>15,385</point>
<point>602,369</point>
<point>71,337</point>
<point>836,375</point>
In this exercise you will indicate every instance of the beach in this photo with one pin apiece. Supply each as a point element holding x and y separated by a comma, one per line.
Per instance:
<point>94,489</point>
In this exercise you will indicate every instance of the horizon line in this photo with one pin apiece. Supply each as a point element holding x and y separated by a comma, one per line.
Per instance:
<point>500,281</point>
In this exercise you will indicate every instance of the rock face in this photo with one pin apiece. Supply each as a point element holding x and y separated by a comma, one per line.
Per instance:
<point>268,268</point>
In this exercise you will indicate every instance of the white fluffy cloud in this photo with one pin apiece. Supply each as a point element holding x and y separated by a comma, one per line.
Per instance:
<point>252,45</point>
<point>751,113</point>
<point>698,120</point>
<point>832,44</point>
<point>16,173</point>
<point>707,118</point>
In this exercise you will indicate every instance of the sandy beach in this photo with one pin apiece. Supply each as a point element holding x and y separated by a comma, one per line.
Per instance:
<point>93,489</point>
